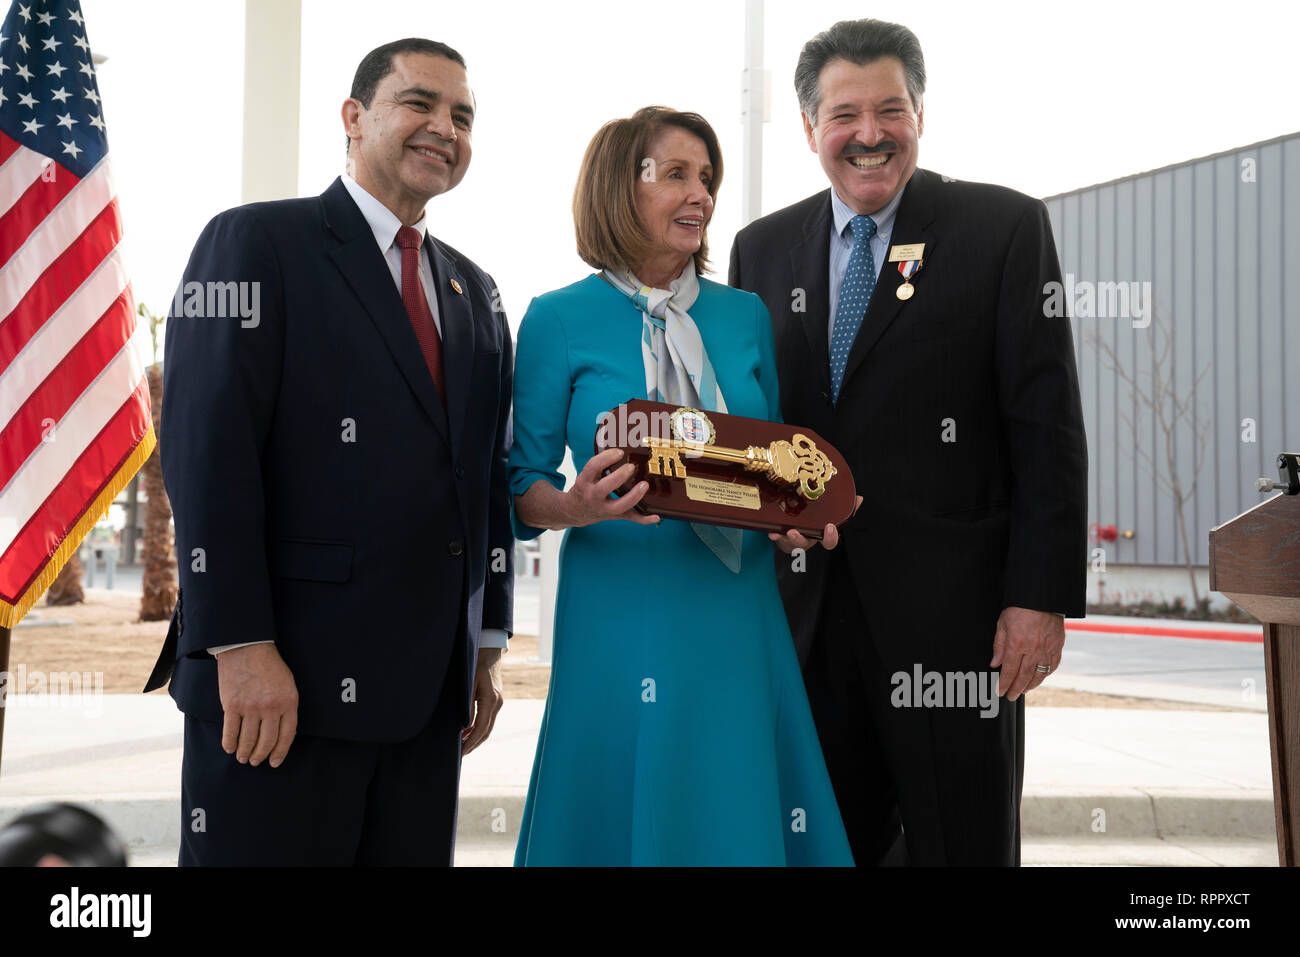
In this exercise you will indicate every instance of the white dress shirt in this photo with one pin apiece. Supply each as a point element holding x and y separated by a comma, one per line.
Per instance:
<point>383,222</point>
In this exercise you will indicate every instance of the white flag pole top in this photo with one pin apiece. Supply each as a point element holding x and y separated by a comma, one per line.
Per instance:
<point>755,111</point>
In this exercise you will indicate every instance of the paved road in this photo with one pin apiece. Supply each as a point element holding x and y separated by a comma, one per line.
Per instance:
<point>1186,661</point>
<point>1228,673</point>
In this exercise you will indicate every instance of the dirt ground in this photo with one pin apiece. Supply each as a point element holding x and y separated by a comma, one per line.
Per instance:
<point>103,635</point>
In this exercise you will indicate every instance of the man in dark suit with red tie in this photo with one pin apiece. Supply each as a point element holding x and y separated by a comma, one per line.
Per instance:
<point>336,462</point>
<point>910,332</point>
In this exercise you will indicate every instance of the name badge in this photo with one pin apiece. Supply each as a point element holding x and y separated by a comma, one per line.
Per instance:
<point>906,253</point>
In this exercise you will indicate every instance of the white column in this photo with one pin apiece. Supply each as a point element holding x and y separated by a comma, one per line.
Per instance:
<point>548,575</point>
<point>755,111</point>
<point>547,580</point>
<point>272,62</point>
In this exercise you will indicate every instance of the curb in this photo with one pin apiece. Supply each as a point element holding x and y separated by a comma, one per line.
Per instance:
<point>140,820</point>
<point>1150,813</point>
<point>492,816</point>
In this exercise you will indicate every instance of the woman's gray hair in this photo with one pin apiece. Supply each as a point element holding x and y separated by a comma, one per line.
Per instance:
<point>860,42</point>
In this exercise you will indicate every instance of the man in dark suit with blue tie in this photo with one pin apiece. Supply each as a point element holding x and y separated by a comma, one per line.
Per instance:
<point>910,328</point>
<point>336,461</point>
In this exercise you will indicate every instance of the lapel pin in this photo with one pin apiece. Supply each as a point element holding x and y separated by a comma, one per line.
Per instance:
<point>455,286</point>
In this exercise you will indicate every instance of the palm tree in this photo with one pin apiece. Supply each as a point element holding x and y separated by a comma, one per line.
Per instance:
<point>158,585</point>
<point>66,588</point>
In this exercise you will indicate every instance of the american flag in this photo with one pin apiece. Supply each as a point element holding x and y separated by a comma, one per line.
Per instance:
<point>74,400</point>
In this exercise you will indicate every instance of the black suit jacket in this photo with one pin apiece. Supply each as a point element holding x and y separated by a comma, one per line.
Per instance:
<point>323,497</point>
<point>949,532</point>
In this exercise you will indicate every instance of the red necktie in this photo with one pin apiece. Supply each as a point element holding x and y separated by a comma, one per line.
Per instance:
<point>417,306</point>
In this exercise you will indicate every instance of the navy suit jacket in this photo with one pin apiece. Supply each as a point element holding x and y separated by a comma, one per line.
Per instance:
<point>959,416</point>
<point>323,497</point>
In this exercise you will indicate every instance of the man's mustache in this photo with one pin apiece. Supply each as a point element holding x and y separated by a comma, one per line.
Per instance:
<point>857,149</point>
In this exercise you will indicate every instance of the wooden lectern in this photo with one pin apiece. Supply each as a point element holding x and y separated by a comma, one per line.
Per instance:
<point>1255,561</point>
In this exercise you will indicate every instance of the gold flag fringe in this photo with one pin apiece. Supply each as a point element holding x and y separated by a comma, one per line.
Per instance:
<point>10,615</point>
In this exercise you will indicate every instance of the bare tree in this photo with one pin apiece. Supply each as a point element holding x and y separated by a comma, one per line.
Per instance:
<point>1155,391</point>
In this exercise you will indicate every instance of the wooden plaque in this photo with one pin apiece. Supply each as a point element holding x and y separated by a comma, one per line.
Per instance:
<point>728,470</point>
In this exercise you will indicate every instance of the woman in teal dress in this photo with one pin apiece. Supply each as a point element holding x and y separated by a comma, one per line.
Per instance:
<point>677,730</point>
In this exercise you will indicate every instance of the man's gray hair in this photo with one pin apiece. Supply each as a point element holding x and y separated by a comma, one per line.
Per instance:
<point>860,42</point>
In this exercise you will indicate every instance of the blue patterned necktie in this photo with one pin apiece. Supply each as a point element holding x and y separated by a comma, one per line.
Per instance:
<point>855,295</point>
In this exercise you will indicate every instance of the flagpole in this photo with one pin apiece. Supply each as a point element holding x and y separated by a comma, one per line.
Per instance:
<point>754,113</point>
<point>5,682</point>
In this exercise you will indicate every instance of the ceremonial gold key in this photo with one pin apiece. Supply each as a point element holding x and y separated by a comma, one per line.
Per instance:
<point>798,462</point>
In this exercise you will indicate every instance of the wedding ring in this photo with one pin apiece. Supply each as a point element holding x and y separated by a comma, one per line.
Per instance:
<point>1043,669</point>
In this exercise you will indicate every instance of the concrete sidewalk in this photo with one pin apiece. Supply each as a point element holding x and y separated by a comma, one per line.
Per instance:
<point>1103,785</point>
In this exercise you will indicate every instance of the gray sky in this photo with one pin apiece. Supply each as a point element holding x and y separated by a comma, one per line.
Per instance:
<point>1042,97</point>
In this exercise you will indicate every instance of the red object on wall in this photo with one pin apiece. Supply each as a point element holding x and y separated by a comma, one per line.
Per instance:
<point>1102,533</point>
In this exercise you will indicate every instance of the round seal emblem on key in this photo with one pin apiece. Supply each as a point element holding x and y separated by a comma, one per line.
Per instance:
<point>692,425</point>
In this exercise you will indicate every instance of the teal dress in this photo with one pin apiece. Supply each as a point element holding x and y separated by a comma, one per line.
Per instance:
<point>677,730</point>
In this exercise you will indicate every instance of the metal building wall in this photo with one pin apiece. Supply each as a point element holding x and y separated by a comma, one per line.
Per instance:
<point>1218,239</point>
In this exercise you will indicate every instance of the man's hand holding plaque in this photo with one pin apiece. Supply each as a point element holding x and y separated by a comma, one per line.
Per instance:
<point>729,470</point>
